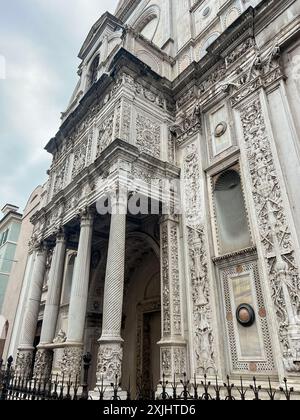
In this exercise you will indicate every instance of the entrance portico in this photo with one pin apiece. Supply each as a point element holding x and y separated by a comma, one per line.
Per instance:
<point>150,317</point>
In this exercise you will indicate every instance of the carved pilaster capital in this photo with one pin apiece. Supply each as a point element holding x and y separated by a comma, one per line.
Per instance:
<point>61,234</point>
<point>86,215</point>
<point>169,218</point>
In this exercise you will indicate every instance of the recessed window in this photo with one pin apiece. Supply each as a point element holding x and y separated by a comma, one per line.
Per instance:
<point>93,73</point>
<point>232,223</point>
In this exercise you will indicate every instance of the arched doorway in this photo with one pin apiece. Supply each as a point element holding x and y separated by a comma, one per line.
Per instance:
<point>141,329</point>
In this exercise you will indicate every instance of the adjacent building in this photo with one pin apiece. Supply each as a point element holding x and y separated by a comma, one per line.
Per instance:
<point>10,226</point>
<point>16,290</point>
<point>189,101</point>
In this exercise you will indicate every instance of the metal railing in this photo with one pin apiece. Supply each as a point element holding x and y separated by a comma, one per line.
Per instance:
<point>14,387</point>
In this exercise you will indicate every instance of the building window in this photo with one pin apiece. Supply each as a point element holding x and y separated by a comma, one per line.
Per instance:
<point>4,237</point>
<point>232,222</point>
<point>93,73</point>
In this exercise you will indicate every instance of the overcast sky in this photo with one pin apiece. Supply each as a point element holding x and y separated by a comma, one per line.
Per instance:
<point>40,41</point>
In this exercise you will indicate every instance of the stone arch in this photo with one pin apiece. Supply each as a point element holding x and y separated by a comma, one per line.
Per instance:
<point>150,60</point>
<point>232,14</point>
<point>149,15</point>
<point>211,38</point>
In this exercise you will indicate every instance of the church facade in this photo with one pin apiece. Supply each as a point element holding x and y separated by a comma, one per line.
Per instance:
<point>168,237</point>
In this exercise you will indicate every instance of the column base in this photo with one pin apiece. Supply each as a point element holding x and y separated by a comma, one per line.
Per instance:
<point>109,365</point>
<point>24,361</point>
<point>43,364</point>
<point>72,362</point>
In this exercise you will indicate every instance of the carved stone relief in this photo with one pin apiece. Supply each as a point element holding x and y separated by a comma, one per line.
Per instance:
<point>109,365</point>
<point>275,232</point>
<point>148,136</point>
<point>201,300</point>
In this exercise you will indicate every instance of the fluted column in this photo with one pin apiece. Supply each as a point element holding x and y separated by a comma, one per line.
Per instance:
<point>111,344</point>
<point>172,345</point>
<point>71,362</point>
<point>43,360</point>
<point>25,350</point>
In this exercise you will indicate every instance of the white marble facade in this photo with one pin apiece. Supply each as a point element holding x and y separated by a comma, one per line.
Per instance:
<point>201,92</point>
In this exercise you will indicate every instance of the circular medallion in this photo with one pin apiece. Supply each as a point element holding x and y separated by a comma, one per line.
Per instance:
<point>220,129</point>
<point>245,315</point>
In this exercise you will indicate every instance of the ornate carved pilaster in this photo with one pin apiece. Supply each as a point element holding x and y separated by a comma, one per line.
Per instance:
<point>278,243</point>
<point>43,364</point>
<point>200,287</point>
<point>172,344</point>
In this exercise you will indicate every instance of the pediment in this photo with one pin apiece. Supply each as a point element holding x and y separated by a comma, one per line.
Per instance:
<point>106,23</point>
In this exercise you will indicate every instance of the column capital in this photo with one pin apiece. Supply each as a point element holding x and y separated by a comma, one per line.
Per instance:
<point>61,234</point>
<point>37,246</point>
<point>86,215</point>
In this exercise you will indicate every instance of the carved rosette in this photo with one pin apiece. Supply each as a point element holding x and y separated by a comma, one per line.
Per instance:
<point>71,362</point>
<point>109,365</point>
<point>204,358</point>
<point>275,232</point>
<point>24,363</point>
<point>43,364</point>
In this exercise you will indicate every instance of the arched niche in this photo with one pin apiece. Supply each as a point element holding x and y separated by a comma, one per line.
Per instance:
<point>147,23</point>
<point>232,221</point>
<point>210,40</point>
<point>93,70</point>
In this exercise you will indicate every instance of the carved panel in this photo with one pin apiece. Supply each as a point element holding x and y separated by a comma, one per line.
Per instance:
<point>197,251</point>
<point>264,362</point>
<point>148,136</point>
<point>105,136</point>
<point>275,232</point>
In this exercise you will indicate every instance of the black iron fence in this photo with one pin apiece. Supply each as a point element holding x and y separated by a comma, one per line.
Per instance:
<point>14,387</point>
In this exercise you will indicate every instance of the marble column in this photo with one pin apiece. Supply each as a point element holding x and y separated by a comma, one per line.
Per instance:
<point>43,359</point>
<point>73,349</point>
<point>111,344</point>
<point>25,349</point>
<point>172,345</point>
